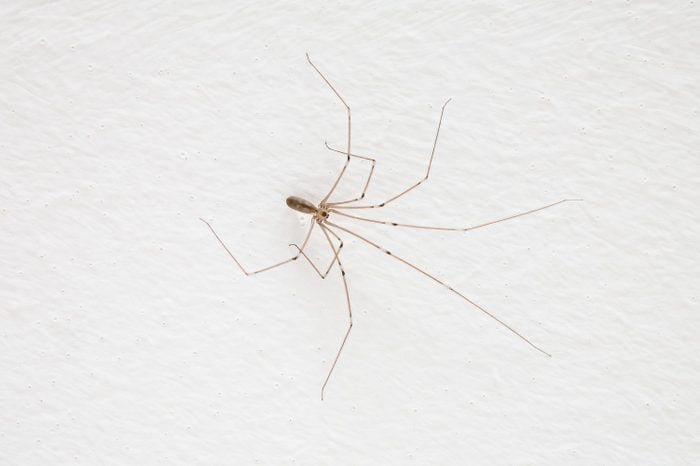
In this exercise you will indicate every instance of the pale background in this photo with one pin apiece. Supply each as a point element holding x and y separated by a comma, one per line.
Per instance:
<point>129,337</point>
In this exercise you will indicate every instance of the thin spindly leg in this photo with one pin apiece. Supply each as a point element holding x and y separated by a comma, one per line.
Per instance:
<point>441,283</point>
<point>264,269</point>
<point>347,108</point>
<point>369,178</point>
<point>427,172</point>
<point>473,227</point>
<point>347,298</point>
<point>335,255</point>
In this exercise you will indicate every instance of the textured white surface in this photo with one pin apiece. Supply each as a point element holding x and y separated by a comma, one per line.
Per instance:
<point>129,337</point>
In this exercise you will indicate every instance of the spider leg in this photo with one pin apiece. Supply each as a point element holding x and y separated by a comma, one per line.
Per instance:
<point>441,283</point>
<point>264,269</point>
<point>347,299</point>
<point>369,178</point>
<point>335,256</point>
<point>427,173</point>
<point>473,227</point>
<point>347,108</point>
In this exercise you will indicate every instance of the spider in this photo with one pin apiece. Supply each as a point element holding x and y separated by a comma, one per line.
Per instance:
<point>320,214</point>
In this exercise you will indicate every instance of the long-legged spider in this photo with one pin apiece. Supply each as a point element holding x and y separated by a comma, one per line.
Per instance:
<point>320,214</point>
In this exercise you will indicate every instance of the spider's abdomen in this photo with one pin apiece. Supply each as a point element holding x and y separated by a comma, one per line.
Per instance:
<point>301,205</point>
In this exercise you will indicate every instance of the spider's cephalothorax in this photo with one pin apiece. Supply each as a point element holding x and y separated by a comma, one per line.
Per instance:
<point>322,213</point>
<point>299,204</point>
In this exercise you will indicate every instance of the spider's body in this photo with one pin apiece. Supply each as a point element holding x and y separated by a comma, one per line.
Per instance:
<point>299,204</point>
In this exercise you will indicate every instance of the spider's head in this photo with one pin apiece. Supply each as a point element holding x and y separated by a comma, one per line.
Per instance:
<point>322,214</point>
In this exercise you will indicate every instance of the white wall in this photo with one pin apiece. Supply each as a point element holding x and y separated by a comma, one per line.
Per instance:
<point>128,336</point>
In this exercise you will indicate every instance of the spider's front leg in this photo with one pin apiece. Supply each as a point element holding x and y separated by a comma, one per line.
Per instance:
<point>347,109</point>
<point>369,177</point>
<point>413,186</point>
